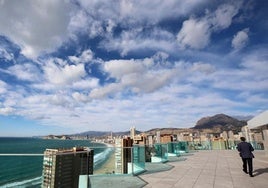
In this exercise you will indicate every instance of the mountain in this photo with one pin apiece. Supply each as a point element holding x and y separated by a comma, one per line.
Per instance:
<point>214,124</point>
<point>219,123</point>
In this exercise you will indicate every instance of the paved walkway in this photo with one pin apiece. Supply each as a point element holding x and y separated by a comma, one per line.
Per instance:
<point>210,169</point>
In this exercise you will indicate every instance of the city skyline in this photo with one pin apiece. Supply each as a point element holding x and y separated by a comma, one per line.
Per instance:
<point>74,66</point>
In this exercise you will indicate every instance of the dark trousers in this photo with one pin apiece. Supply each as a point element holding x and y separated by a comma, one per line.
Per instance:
<point>247,162</point>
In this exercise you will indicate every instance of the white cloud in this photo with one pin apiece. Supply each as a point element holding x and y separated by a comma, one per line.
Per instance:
<point>137,76</point>
<point>63,74</point>
<point>256,99</point>
<point>136,40</point>
<point>163,90</point>
<point>3,87</point>
<point>222,17</point>
<point>133,12</point>
<point>78,22</point>
<point>203,67</point>
<point>240,40</point>
<point>105,91</point>
<point>149,82</point>
<point>59,99</point>
<point>45,25</point>
<point>6,110</point>
<point>80,97</point>
<point>27,72</point>
<point>86,83</point>
<point>85,57</point>
<point>251,76</point>
<point>200,73</point>
<point>110,26</point>
<point>6,55</point>
<point>119,68</point>
<point>45,86</point>
<point>168,96</point>
<point>35,25</point>
<point>155,11</point>
<point>194,34</point>
<point>99,18</point>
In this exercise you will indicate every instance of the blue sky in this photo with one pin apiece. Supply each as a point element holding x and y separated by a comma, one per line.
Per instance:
<point>72,66</point>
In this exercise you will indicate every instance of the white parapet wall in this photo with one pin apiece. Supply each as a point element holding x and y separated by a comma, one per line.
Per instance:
<point>261,122</point>
<point>258,121</point>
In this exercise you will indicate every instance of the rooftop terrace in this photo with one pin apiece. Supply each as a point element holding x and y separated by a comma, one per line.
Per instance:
<point>210,169</point>
<point>195,169</point>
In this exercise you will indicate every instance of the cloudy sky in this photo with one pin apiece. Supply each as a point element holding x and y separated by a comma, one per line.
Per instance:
<point>68,66</point>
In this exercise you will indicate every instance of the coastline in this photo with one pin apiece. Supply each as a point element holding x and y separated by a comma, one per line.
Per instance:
<point>108,167</point>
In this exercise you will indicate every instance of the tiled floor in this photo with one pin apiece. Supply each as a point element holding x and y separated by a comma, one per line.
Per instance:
<point>210,169</point>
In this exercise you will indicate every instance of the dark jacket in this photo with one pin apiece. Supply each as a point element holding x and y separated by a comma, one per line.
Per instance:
<point>245,150</point>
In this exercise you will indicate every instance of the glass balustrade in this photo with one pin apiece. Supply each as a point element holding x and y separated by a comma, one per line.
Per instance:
<point>30,170</point>
<point>177,148</point>
<point>219,145</point>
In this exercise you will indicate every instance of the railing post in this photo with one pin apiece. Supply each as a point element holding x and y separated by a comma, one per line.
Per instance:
<point>132,160</point>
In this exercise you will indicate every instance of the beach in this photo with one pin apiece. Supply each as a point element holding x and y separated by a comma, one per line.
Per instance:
<point>109,165</point>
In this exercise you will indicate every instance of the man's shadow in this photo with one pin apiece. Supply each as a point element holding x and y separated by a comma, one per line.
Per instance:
<point>260,171</point>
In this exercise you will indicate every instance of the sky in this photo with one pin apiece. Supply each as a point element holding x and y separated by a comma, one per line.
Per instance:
<point>69,66</point>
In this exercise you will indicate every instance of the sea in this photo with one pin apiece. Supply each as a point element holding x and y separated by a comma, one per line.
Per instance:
<point>26,171</point>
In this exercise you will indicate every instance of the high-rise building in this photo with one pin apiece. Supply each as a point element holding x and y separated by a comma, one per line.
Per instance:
<point>158,135</point>
<point>123,155</point>
<point>62,167</point>
<point>132,132</point>
<point>118,156</point>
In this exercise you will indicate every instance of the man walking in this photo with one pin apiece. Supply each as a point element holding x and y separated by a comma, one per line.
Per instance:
<point>245,150</point>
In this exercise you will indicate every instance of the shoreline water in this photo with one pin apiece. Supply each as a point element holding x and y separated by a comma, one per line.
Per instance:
<point>14,145</point>
<point>108,167</point>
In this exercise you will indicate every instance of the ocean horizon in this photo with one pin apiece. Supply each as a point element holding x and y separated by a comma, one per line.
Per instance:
<point>26,171</point>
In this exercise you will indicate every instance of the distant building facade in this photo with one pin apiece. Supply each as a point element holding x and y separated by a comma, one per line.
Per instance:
<point>62,167</point>
<point>166,138</point>
<point>139,140</point>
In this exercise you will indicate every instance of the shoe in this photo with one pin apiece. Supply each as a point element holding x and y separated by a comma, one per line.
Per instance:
<point>245,171</point>
<point>251,175</point>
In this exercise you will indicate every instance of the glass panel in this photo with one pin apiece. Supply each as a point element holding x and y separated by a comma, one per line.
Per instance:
<point>177,148</point>
<point>231,144</point>
<point>200,145</point>
<point>181,147</point>
<point>138,159</point>
<point>171,149</point>
<point>257,145</point>
<point>160,153</point>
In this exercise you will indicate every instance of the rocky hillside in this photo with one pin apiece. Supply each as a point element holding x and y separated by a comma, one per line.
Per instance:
<point>213,124</point>
<point>220,122</point>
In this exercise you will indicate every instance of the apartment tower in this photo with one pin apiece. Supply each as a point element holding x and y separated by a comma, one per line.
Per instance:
<point>62,167</point>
